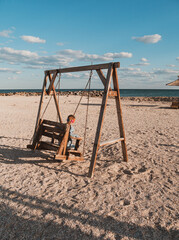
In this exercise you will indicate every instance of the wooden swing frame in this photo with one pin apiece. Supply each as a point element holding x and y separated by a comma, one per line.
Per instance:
<point>111,74</point>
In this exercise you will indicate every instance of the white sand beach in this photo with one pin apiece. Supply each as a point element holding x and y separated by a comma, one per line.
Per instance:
<point>45,199</point>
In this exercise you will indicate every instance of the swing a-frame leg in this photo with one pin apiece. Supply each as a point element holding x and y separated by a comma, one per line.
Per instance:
<point>112,72</point>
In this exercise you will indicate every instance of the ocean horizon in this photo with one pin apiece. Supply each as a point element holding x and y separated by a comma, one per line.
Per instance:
<point>123,92</point>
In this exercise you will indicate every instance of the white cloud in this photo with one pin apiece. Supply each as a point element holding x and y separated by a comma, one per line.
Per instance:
<point>9,70</point>
<point>71,53</point>
<point>80,55</point>
<point>6,33</point>
<point>127,69</point>
<point>143,60</point>
<point>134,73</point>
<point>60,44</point>
<point>165,71</point>
<point>61,59</point>
<point>171,65</point>
<point>140,64</point>
<point>177,58</point>
<point>32,39</point>
<point>148,38</point>
<point>13,56</point>
<point>118,55</point>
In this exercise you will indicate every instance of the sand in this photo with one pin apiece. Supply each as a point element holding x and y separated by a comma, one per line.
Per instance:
<point>43,199</point>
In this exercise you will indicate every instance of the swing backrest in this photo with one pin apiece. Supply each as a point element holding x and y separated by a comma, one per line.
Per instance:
<point>54,131</point>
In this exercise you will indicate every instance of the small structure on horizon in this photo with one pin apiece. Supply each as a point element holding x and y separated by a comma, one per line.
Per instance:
<point>174,83</point>
<point>175,104</point>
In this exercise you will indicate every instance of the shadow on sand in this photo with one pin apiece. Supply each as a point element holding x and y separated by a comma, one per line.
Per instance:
<point>14,155</point>
<point>57,221</point>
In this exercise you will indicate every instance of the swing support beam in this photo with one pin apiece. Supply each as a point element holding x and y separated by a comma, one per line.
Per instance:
<point>111,74</point>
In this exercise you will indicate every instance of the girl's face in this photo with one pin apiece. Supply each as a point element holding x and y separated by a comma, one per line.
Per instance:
<point>73,120</point>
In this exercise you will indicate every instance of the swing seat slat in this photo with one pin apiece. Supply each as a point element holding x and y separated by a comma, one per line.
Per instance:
<point>47,146</point>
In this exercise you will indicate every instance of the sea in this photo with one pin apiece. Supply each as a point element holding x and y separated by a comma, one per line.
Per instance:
<point>123,92</point>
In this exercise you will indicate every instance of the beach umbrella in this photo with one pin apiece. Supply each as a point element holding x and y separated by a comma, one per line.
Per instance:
<point>174,83</point>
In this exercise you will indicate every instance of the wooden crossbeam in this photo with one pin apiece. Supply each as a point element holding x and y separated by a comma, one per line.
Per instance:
<point>105,143</point>
<point>102,77</point>
<point>51,87</point>
<point>112,93</point>
<point>83,68</point>
<point>52,80</point>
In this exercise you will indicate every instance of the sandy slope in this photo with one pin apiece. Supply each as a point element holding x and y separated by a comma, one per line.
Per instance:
<point>42,199</point>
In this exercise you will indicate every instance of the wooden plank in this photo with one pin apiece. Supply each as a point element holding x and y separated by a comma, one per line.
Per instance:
<point>76,138</point>
<point>83,68</point>
<point>41,102</point>
<point>112,93</point>
<point>100,122</point>
<point>53,129</point>
<point>62,148</point>
<point>51,135</point>
<point>52,80</point>
<point>102,77</point>
<point>75,158</point>
<point>105,143</point>
<point>56,124</point>
<point>68,158</point>
<point>66,138</point>
<point>37,135</point>
<point>60,157</point>
<point>74,152</point>
<point>56,100</point>
<point>47,146</point>
<point>119,115</point>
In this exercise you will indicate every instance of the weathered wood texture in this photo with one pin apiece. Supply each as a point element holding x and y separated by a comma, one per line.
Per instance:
<point>54,95</point>
<point>119,114</point>
<point>110,142</point>
<point>84,68</point>
<point>100,121</point>
<point>41,102</point>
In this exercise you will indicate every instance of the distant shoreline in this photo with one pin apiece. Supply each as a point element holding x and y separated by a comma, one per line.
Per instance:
<point>95,93</point>
<point>98,92</point>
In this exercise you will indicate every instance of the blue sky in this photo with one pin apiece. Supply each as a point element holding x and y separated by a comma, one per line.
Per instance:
<point>38,35</point>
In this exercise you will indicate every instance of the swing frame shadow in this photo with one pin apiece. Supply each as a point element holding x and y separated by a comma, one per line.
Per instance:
<point>108,91</point>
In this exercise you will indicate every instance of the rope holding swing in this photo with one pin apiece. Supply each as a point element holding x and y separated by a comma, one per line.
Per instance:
<point>58,92</point>
<point>46,107</point>
<point>91,73</point>
<point>86,120</point>
<point>51,96</point>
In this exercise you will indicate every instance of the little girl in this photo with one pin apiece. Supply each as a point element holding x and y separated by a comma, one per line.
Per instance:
<point>71,120</point>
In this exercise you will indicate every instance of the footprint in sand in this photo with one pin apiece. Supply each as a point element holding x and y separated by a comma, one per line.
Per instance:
<point>142,169</point>
<point>128,172</point>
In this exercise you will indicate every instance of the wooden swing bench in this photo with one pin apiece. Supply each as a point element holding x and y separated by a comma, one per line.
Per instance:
<point>58,133</point>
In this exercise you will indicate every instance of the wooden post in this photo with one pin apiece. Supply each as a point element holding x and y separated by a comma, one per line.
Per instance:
<point>100,121</point>
<point>41,102</point>
<point>55,99</point>
<point>102,77</point>
<point>119,114</point>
